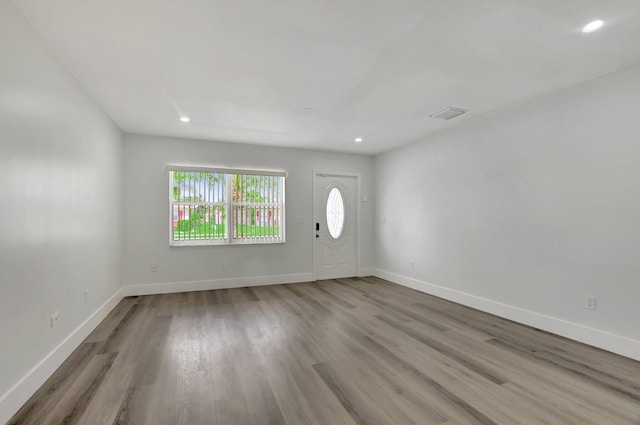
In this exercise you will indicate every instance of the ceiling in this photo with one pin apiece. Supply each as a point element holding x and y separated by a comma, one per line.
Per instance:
<point>319,73</point>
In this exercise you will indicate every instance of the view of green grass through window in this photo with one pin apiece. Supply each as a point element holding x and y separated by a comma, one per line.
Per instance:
<point>215,207</point>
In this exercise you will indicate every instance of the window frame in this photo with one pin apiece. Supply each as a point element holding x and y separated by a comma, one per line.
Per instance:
<point>229,204</point>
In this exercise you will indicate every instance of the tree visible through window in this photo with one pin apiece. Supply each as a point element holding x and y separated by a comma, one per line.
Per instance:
<point>219,207</point>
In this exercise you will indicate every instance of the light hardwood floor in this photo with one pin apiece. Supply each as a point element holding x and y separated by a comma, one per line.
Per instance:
<point>345,351</point>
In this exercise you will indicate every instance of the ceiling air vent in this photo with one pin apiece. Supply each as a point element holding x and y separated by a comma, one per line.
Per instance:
<point>448,113</point>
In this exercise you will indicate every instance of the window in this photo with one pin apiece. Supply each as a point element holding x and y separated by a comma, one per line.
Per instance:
<point>214,206</point>
<point>335,213</point>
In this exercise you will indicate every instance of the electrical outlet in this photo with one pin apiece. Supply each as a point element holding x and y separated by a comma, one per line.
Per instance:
<point>590,303</point>
<point>412,264</point>
<point>384,220</point>
<point>86,296</point>
<point>55,318</point>
<point>154,268</point>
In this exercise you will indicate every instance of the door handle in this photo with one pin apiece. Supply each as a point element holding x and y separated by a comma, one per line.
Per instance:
<point>317,230</point>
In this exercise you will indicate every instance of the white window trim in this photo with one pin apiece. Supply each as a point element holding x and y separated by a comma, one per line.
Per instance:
<point>222,170</point>
<point>228,240</point>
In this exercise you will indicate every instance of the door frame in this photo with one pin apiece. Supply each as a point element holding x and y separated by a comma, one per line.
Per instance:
<point>358,197</point>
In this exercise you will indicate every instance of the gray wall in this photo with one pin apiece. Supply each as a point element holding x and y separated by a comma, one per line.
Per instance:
<point>60,191</point>
<point>147,192</point>
<point>534,207</point>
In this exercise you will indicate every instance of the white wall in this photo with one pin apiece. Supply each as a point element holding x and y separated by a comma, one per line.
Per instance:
<point>147,211</point>
<point>60,191</point>
<point>530,209</point>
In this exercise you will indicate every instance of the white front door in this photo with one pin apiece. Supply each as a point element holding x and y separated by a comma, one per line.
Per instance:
<point>335,222</point>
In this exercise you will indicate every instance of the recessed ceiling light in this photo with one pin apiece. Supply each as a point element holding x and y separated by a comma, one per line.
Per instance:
<point>185,119</point>
<point>593,26</point>
<point>358,140</point>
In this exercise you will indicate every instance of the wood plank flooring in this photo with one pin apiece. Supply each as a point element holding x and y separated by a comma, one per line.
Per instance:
<point>336,352</point>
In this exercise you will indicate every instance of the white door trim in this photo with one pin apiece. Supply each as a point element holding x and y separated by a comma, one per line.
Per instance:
<point>313,218</point>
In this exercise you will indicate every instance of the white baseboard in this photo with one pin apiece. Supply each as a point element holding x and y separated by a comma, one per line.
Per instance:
<point>607,341</point>
<point>207,285</point>
<point>16,396</point>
